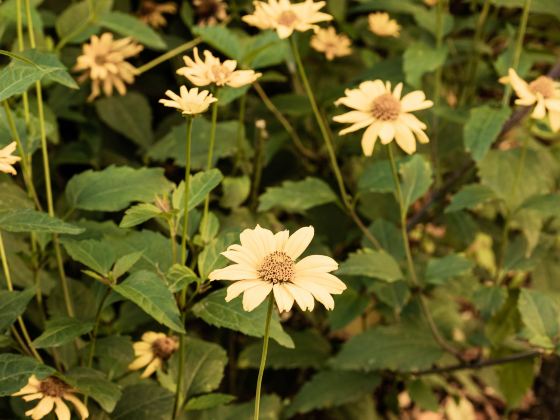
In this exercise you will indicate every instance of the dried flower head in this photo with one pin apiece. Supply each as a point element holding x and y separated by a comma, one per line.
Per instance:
<point>266,262</point>
<point>543,92</point>
<point>285,18</point>
<point>7,160</point>
<point>381,24</point>
<point>212,71</point>
<point>154,349</point>
<point>385,113</point>
<point>331,44</point>
<point>152,13</point>
<point>190,102</point>
<point>210,12</point>
<point>104,62</point>
<point>51,392</point>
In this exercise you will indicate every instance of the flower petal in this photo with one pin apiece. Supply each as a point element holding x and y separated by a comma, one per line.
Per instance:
<point>299,241</point>
<point>284,299</point>
<point>254,296</point>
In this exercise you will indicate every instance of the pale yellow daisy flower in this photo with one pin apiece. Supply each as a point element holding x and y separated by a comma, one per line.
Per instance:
<point>328,42</point>
<point>212,71</point>
<point>190,102</point>
<point>7,160</point>
<point>103,61</point>
<point>152,13</point>
<point>154,349</point>
<point>381,24</point>
<point>266,262</point>
<point>51,392</point>
<point>543,92</point>
<point>386,114</point>
<point>285,17</point>
<point>210,12</point>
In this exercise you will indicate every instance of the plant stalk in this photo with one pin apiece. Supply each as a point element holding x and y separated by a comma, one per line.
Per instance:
<point>263,356</point>
<point>186,191</point>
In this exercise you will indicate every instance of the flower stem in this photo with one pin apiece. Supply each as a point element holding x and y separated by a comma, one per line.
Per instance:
<point>168,55</point>
<point>180,372</point>
<point>186,191</point>
<point>346,199</point>
<point>240,130</point>
<point>96,327</point>
<point>21,47</point>
<point>263,356</point>
<point>414,283</point>
<point>204,220</point>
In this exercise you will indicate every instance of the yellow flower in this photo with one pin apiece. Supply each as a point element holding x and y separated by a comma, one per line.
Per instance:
<point>7,160</point>
<point>104,62</point>
<point>154,349</point>
<point>430,3</point>
<point>212,71</point>
<point>51,392</point>
<point>210,12</point>
<point>381,24</point>
<point>191,102</point>
<point>543,92</point>
<point>151,12</point>
<point>266,262</point>
<point>385,113</point>
<point>331,44</point>
<point>285,18</point>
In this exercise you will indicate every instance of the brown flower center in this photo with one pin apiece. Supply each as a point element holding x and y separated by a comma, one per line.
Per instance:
<point>277,267</point>
<point>543,85</point>
<point>100,60</point>
<point>287,18</point>
<point>53,387</point>
<point>386,107</point>
<point>221,74</point>
<point>163,348</point>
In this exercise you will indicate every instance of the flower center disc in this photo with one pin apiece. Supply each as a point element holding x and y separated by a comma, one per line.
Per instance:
<point>53,387</point>
<point>386,107</point>
<point>543,85</point>
<point>221,73</point>
<point>277,267</point>
<point>287,18</point>
<point>163,348</point>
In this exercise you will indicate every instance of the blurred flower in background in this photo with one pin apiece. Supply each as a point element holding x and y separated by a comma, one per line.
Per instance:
<point>210,12</point>
<point>331,44</point>
<point>154,349</point>
<point>7,159</point>
<point>381,24</point>
<point>152,12</point>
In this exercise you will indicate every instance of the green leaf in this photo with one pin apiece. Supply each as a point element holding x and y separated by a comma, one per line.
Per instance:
<point>207,401</point>
<point>155,249</point>
<point>74,23</point>
<point>150,293</point>
<point>60,331</point>
<point>214,310</point>
<point>403,348</point>
<point>13,197</point>
<point>370,263</point>
<point>97,255</point>
<point>200,186</point>
<point>549,7</point>
<point>329,389</point>
<point>211,257</point>
<point>129,115</point>
<point>488,300</point>
<point>297,196</point>
<point>12,305</point>
<point>264,50</point>
<point>546,204</point>
<point>28,220</point>
<point>482,129</point>
<point>423,395</point>
<point>180,276</point>
<point>377,177</point>
<point>139,214</point>
<point>221,38</point>
<point>236,191</point>
<point>469,197</point>
<point>114,353</point>
<point>144,401</point>
<point>348,306</point>
<point>419,59</point>
<point>125,263</point>
<point>441,270</point>
<point>396,295</point>
<point>128,25</point>
<point>15,370</point>
<point>540,314</point>
<point>416,175</point>
<point>311,351</point>
<point>94,384</point>
<point>516,380</point>
<point>114,188</point>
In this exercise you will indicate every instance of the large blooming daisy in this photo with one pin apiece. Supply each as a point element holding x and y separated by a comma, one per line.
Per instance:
<point>386,114</point>
<point>266,262</point>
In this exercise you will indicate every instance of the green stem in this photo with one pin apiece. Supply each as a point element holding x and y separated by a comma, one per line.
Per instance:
<point>186,191</point>
<point>168,55</point>
<point>263,356</point>
<point>209,162</point>
<point>414,283</point>
<point>179,390</point>
<point>257,170</point>
<point>172,238</point>
<point>30,29</point>
<point>21,47</point>
<point>96,327</point>
<point>240,130</point>
<point>346,198</point>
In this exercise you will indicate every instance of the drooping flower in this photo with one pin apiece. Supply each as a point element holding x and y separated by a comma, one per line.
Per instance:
<point>212,71</point>
<point>266,262</point>
<point>152,13</point>
<point>51,392</point>
<point>103,61</point>
<point>7,160</point>
<point>331,44</point>
<point>190,102</point>
<point>285,17</point>
<point>385,113</point>
<point>381,24</point>
<point>543,92</point>
<point>210,12</point>
<point>154,349</point>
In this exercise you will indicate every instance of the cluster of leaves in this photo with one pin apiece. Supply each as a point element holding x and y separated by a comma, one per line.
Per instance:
<point>483,211</point>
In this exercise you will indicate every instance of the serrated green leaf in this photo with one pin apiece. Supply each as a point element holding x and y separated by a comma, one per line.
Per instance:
<point>94,384</point>
<point>13,197</point>
<point>482,129</point>
<point>221,38</point>
<point>236,191</point>
<point>97,255</point>
<point>469,197</point>
<point>547,205</point>
<point>180,276</point>
<point>60,331</point>
<point>139,214</point>
<point>297,196</point>
<point>441,270</point>
<point>125,263</point>
<point>370,263</point>
<point>128,25</point>
<point>15,370</point>
<point>488,300</point>
<point>515,380</point>
<point>12,305</point>
<point>419,59</point>
<point>207,401</point>
<point>540,313</point>
<point>28,220</point>
<point>416,175</point>
<point>144,401</point>
<point>211,257</point>
<point>200,186</point>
